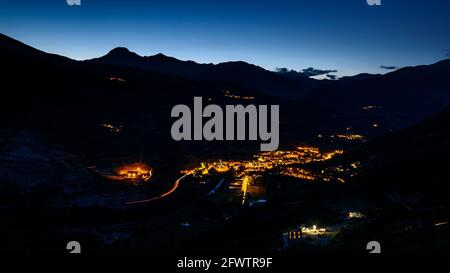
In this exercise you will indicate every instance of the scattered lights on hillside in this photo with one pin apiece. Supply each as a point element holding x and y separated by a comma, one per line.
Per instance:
<point>112,128</point>
<point>371,107</point>
<point>117,79</point>
<point>351,137</point>
<point>228,94</point>
<point>441,224</point>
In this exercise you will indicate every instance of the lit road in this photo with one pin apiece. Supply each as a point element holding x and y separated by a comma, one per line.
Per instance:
<point>169,192</point>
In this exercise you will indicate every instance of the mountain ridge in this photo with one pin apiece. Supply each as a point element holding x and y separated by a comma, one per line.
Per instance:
<point>237,72</point>
<point>371,104</point>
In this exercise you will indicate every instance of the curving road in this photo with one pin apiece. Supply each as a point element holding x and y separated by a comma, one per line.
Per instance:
<point>169,192</point>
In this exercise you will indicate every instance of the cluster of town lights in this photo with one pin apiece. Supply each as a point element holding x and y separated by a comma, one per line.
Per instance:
<point>284,160</point>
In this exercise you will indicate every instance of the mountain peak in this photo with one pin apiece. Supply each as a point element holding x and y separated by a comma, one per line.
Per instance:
<point>121,51</point>
<point>160,55</point>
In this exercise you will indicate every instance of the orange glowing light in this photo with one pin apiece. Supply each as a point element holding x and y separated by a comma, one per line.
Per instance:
<point>135,171</point>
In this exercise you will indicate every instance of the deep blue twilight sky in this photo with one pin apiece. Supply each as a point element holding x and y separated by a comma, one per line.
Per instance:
<point>347,35</point>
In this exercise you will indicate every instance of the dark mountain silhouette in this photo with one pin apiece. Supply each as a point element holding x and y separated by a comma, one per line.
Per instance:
<point>358,77</point>
<point>412,162</point>
<point>50,92</point>
<point>240,73</point>
<point>68,100</point>
<point>393,101</point>
<point>123,57</point>
<point>19,49</point>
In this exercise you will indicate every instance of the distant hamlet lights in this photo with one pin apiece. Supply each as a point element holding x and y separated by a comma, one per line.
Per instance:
<point>213,129</point>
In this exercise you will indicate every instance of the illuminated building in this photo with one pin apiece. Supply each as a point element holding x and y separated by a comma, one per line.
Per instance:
<point>135,172</point>
<point>305,232</point>
<point>355,215</point>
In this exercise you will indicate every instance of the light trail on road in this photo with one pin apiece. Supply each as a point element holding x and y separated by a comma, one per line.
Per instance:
<point>169,192</point>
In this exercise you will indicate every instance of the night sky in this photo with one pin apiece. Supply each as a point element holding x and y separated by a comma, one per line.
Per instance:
<point>349,36</point>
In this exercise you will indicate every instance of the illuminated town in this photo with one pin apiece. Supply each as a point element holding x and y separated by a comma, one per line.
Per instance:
<point>283,162</point>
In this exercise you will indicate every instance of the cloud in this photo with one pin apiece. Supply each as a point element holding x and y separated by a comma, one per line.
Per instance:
<point>389,67</point>
<point>307,72</point>
<point>332,77</point>
<point>311,72</point>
